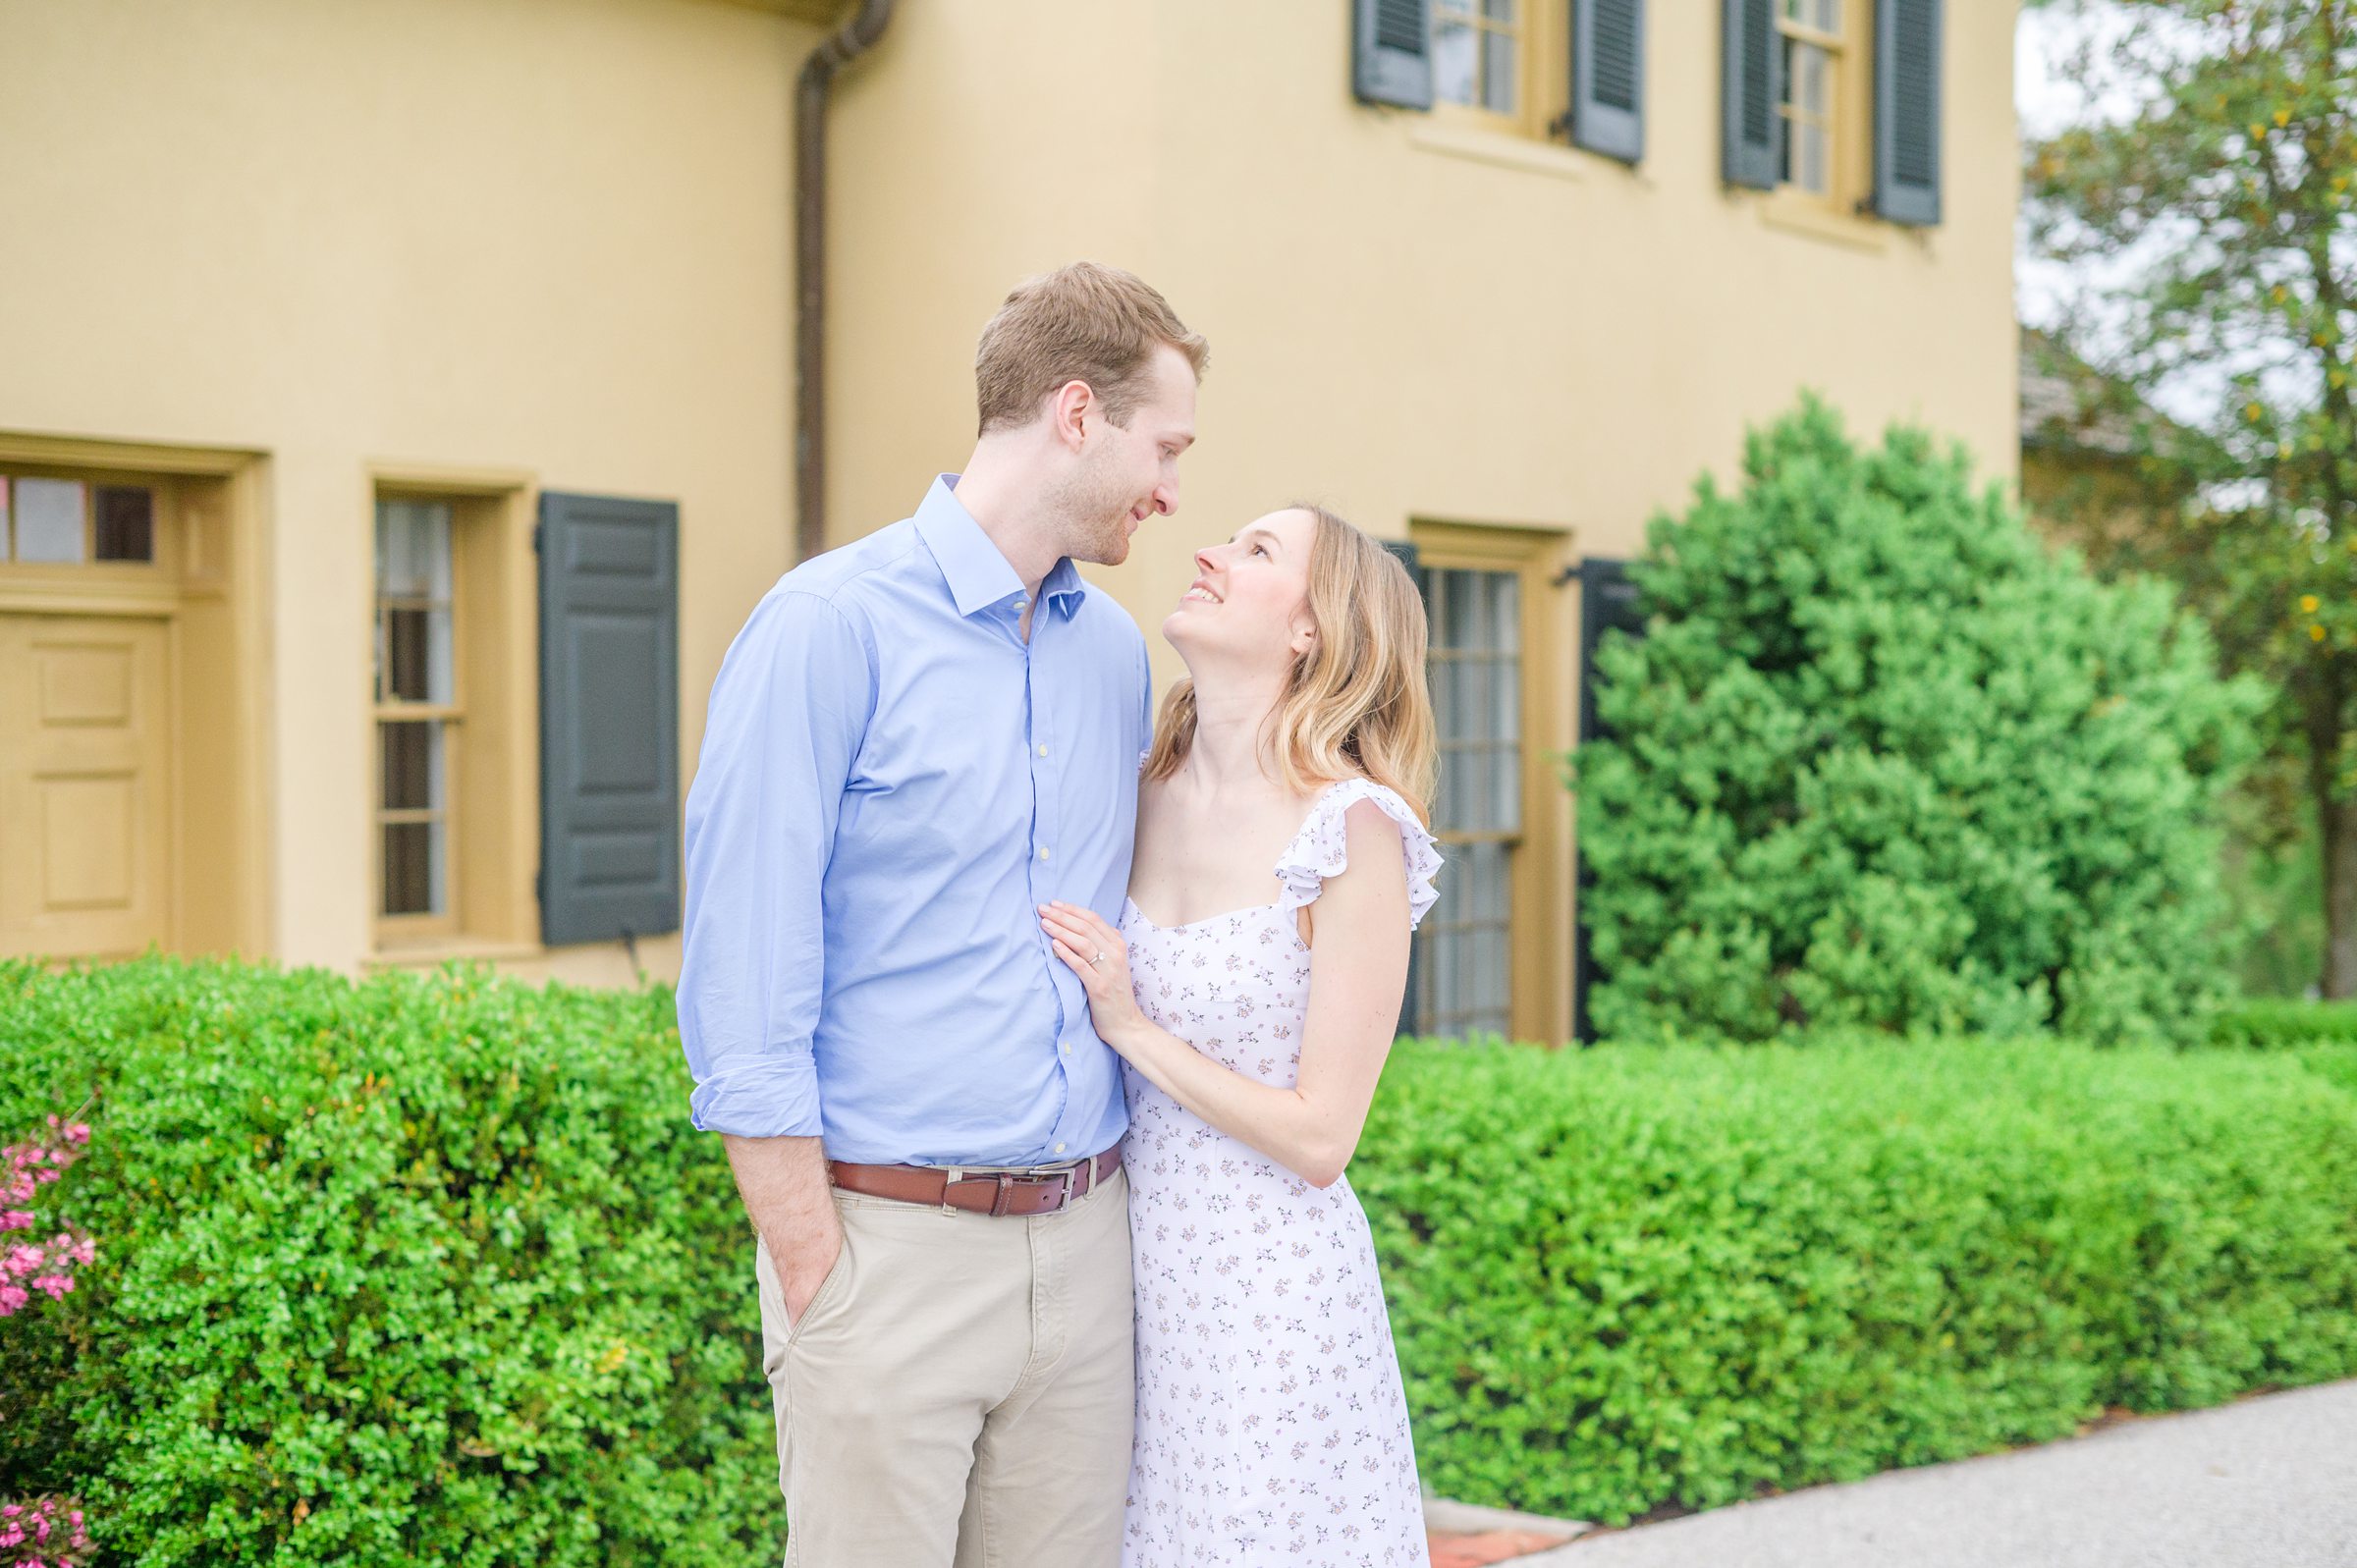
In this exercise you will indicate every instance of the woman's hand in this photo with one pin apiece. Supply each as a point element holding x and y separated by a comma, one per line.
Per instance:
<point>1099,956</point>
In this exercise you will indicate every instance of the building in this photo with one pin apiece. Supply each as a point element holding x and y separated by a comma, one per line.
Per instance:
<point>318,318</point>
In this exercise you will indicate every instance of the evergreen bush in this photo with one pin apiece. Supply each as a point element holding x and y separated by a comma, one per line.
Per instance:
<point>1881,761</point>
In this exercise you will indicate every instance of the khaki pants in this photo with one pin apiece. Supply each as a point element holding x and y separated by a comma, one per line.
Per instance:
<point>959,1391</point>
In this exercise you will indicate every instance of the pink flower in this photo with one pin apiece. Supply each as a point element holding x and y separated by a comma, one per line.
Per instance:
<point>56,1285</point>
<point>16,1220</point>
<point>78,1133</point>
<point>11,1298</point>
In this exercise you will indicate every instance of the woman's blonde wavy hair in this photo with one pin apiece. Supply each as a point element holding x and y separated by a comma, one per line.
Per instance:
<point>1356,702</point>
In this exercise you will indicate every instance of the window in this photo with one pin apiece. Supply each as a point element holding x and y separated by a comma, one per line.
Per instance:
<point>54,521</point>
<point>1815,49</point>
<point>1464,972</point>
<point>417,711</point>
<point>1478,47</point>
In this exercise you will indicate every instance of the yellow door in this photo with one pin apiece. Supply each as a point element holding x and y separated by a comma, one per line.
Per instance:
<point>86,824</point>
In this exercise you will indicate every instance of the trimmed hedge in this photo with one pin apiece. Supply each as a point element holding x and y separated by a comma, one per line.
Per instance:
<point>421,1272</point>
<point>1647,1276</point>
<point>2275,1021</point>
<point>435,1271</point>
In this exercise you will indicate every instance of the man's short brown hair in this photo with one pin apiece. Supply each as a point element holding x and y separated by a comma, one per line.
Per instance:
<point>1085,322</point>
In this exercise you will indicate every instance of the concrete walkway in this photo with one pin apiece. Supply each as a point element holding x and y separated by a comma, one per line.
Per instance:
<point>2267,1483</point>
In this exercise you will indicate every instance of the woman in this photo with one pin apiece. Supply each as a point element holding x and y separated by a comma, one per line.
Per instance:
<point>1252,990</point>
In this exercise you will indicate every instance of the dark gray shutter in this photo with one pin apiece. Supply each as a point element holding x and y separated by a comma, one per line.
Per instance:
<point>1906,110</point>
<point>1608,78</point>
<point>1750,88</point>
<point>1391,51</point>
<point>1607,601</point>
<point>609,718</point>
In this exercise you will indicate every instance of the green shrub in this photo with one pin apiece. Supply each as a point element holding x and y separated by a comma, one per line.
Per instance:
<point>2279,1021</point>
<point>424,1271</point>
<point>1640,1275</point>
<point>1880,761</point>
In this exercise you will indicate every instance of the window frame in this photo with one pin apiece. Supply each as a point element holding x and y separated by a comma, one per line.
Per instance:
<point>1847,120</point>
<point>1539,866</point>
<point>1541,30</point>
<point>450,716</point>
<point>164,563</point>
<point>491,768</point>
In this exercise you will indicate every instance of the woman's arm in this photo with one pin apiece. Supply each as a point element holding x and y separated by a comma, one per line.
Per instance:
<point>1357,972</point>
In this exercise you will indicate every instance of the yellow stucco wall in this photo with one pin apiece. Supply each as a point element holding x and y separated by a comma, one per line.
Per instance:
<point>1400,325</point>
<point>548,237</point>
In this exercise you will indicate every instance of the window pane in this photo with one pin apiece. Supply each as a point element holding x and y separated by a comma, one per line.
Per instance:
<point>416,656</point>
<point>1497,72</point>
<point>414,868</point>
<point>1827,15</point>
<point>49,520</point>
<point>4,534</point>
<point>1505,611</point>
<point>413,550</point>
<point>1810,155</point>
<point>1809,80</point>
<point>413,764</point>
<point>1498,11</point>
<point>1457,588</point>
<point>1452,63</point>
<point>126,523</point>
<point>1483,867</point>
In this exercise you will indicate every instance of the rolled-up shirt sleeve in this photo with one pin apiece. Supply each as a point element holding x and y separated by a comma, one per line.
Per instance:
<point>787,715</point>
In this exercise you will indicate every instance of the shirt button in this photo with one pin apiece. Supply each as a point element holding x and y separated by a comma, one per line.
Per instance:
<point>1043,851</point>
<point>1022,604</point>
<point>1066,1048</point>
<point>1043,750</point>
<point>1059,1147</point>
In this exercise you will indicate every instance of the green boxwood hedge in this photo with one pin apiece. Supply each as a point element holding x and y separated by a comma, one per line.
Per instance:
<point>430,1272</point>
<point>2282,1021</point>
<point>434,1270</point>
<point>1640,1278</point>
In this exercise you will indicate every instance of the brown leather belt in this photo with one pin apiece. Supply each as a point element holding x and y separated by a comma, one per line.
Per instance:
<point>1025,1195</point>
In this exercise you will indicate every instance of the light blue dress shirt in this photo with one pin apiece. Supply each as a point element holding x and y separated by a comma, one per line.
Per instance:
<point>891,783</point>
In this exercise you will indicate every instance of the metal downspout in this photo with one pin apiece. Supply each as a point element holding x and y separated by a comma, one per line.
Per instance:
<point>811,93</point>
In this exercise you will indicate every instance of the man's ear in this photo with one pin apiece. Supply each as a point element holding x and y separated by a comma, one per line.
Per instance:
<point>1072,406</point>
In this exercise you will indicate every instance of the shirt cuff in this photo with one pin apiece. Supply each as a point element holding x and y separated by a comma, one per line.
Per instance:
<point>775,1099</point>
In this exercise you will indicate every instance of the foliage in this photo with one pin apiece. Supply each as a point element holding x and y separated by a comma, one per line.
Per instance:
<point>2275,1022</point>
<point>428,1271</point>
<point>2214,231</point>
<point>1881,761</point>
<point>1641,1277</point>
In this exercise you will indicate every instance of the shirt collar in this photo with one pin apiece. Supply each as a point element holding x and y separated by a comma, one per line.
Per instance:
<point>978,577</point>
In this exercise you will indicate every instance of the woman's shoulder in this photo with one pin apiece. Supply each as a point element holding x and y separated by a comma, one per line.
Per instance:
<point>1322,849</point>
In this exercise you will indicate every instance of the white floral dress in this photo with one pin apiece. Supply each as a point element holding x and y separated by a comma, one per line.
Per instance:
<point>1271,1426</point>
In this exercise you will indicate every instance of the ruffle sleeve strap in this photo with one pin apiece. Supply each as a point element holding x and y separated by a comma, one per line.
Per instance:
<point>1321,849</point>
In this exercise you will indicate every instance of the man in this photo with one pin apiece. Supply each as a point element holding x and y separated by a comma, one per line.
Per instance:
<point>915,742</point>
